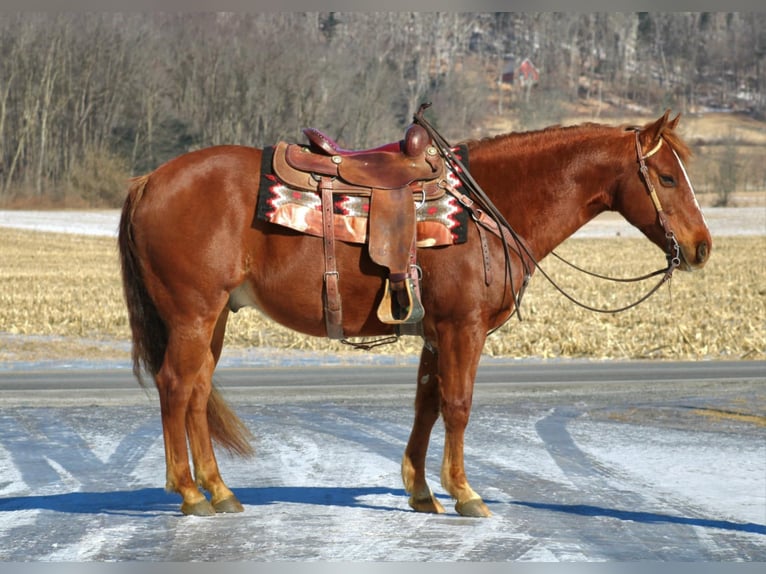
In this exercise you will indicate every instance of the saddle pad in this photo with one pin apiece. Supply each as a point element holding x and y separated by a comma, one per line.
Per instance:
<point>441,221</point>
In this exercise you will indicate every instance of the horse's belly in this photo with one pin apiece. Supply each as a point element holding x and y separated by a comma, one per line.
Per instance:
<point>299,303</point>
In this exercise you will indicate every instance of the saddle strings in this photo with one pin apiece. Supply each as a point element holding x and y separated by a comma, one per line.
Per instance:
<point>471,184</point>
<point>489,208</point>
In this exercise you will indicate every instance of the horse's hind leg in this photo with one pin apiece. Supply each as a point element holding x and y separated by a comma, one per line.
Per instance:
<point>206,472</point>
<point>184,365</point>
<point>426,414</point>
<point>184,383</point>
<point>205,466</point>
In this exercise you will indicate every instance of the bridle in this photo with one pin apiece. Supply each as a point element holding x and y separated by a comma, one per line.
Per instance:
<point>674,250</point>
<point>673,253</point>
<point>493,220</point>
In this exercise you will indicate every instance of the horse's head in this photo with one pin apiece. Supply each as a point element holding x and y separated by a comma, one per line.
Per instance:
<point>659,199</point>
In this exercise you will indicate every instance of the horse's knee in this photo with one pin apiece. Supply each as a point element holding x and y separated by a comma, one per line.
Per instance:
<point>455,414</point>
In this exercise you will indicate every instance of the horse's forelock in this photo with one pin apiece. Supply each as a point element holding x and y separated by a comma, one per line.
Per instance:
<point>672,138</point>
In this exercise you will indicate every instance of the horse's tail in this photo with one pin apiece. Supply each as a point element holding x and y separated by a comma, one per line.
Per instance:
<point>226,428</point>
<point>149,334</point>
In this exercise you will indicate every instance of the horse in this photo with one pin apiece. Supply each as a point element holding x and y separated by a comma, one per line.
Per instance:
<point>192,251</point>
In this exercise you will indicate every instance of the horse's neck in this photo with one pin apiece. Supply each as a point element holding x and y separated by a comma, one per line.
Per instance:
<point>546,184</point>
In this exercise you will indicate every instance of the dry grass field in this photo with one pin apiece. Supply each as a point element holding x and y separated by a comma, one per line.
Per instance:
<point>61,298</point>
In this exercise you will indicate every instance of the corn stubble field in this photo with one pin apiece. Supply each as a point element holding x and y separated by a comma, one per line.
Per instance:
<point>61,298</point>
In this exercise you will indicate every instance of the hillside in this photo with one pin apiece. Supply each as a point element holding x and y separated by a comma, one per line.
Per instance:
<point>88,99</point>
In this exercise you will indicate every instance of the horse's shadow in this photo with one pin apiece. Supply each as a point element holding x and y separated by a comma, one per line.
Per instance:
<point>644,517</point>
<point>148,501</point>
<point>156,501</point>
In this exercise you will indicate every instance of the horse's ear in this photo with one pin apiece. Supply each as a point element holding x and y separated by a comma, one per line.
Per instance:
<point>652,132</point>
<point>673,123</point>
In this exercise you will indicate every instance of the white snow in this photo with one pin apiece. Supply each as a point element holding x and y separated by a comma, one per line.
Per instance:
<point>723,221</point>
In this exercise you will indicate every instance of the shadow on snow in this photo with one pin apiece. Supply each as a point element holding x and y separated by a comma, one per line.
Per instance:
<point>153,501</point>
<point>644,517</point>
<point>157,500</point>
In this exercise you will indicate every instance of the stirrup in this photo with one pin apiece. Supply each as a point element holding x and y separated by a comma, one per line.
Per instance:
<point>391,312</point>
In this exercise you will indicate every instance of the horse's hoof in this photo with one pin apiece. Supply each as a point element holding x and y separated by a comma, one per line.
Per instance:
<point>230,504</point>
<point>474,508</point>
<point>201,508</point>
<point>429,504</point>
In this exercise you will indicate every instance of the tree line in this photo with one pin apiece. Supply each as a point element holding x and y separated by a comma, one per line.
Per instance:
<point>87,99</point>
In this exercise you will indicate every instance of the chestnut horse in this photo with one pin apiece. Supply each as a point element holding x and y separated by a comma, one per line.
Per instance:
<point>192,250</point>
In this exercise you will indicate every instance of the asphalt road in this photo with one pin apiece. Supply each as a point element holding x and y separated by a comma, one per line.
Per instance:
<point>577,461</point>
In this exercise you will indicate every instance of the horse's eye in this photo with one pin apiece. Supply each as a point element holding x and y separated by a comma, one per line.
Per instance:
<point>667,180</point>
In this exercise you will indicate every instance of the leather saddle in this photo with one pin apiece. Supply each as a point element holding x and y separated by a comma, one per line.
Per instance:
<point>394,176</point>
<point>391,166</point>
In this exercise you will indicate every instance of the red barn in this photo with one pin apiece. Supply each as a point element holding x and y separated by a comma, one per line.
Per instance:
<point>528,74</point>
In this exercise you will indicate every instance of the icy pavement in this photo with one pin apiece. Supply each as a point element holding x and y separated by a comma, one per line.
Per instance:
<point>610,471</point>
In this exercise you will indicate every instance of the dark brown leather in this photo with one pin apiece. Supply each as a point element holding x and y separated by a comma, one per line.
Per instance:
<point>391,228</point>
<point>374,169</point>
<point>332,302</point>
<point>303,159</point>
<point>303,179</point>
<point>416,140</point>
<point>393,176</point>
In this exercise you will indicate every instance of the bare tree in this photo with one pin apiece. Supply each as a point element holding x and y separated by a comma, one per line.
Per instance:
<point>79,88</point>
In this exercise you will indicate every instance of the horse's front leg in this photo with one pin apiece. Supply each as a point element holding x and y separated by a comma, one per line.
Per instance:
<point>426,414</point>
<point>458,360</point>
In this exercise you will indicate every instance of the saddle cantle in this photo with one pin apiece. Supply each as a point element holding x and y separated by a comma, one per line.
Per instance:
<point>394,176</point>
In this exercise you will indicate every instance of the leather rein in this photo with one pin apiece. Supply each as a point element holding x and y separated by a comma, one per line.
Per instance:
<point>488,215</point>
<point>673,252</point>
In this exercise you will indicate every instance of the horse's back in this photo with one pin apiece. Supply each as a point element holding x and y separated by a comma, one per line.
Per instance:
<point>207,177</point>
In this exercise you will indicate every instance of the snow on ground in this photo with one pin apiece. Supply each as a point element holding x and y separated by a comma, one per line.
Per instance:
<point>100,223</point>
<point>723,221</point>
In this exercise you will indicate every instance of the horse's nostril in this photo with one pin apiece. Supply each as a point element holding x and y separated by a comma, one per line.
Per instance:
<point>702,252</point>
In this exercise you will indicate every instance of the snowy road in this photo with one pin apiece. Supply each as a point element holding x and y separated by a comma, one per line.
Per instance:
<point>645,461</point>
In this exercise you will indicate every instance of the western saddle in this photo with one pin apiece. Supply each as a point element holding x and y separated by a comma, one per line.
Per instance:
<point>392,176</point>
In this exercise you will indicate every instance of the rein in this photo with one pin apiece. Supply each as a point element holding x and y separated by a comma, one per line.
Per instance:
<point>488,215</point>
<point>672,254</point>
<point>503,229</point>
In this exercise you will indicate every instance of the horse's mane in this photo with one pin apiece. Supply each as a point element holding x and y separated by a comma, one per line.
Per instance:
<point>515,136</point>
<point>586,128</point>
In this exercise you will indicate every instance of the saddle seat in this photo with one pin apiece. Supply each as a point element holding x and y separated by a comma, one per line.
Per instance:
<point>390,166</point>
<point>414,143</point>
